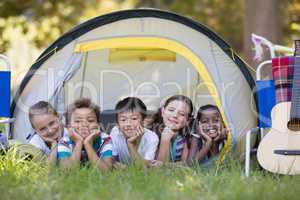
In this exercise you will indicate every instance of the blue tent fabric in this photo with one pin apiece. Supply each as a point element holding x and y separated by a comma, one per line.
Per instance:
<point>5,93</point>
<point>266,101</point>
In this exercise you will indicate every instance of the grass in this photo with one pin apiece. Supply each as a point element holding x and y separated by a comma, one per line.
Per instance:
<point>22,179</point>
<point>2,127</point>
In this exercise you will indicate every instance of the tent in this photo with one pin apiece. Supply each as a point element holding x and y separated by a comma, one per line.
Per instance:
<point>147,53</point>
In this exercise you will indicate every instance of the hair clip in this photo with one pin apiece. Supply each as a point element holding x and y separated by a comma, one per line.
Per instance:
<point>195,135</point>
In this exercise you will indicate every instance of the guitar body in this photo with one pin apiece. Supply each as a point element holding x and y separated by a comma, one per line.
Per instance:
<point>280,138</point>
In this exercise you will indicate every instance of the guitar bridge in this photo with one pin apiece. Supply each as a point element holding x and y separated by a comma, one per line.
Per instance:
<point>287,152</point>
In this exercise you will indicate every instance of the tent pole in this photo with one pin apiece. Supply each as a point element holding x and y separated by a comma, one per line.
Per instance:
<point>83,73</point>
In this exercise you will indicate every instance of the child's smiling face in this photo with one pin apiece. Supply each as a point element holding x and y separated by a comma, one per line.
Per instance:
<point>84,121</point>
<point>129,121</point>
<point>211,122</point>
<point>176,115</point>
<point>47,126</point>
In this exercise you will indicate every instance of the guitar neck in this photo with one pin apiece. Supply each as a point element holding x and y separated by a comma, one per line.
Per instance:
<point>295,108</point>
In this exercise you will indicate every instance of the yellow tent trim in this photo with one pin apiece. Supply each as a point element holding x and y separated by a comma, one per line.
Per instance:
<point>162,43</point>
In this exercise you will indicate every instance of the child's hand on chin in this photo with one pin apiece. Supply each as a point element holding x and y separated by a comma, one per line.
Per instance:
<point>222,135</point>
<point>74,136</point>
<point>205,135</point>
<point>92,136</point>
<point>168,133</point>
<point>139,132</point>
<point>49,140</point>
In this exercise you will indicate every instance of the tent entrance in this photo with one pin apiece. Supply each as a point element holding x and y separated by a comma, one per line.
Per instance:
<point>157,43</point>
<point>115,68</point>
<point>107,82</point>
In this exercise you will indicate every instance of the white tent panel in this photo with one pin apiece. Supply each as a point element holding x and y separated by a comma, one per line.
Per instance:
<point>40,87</point>
<point>106,83</point>
<point>217,62</point>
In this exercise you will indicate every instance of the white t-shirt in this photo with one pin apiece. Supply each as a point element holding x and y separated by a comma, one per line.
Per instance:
<point>38,142</point>
<point>147,147</point>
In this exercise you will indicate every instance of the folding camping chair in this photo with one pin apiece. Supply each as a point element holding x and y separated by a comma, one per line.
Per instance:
<point>265,92</point>
<point>5,77</point>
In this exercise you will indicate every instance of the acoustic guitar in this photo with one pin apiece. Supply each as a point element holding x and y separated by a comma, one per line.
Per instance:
<point>279,150</point>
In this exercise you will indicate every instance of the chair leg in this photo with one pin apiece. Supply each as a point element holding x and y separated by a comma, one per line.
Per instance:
<point>248,150</point>
<point>247,154</point>
<point>7,128</point>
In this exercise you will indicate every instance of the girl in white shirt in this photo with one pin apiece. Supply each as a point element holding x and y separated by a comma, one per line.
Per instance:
<point>48,128</point>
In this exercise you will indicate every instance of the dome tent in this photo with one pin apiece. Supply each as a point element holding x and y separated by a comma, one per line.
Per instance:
<point>147,53</point>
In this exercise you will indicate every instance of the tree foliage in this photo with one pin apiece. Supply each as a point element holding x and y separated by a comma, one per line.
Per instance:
<point>40,21</point>
<point>43,21</point>
<point>222,16</point>
<point>290,10</point>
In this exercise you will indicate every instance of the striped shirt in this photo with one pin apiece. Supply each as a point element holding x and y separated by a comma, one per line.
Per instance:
<point>36,140</point>
<point>177,148</point>
<point>102,146</point>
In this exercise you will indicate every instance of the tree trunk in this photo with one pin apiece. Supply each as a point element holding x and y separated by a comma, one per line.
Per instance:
<point>261,18</point>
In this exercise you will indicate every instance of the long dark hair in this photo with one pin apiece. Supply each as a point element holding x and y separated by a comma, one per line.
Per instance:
<point>206,107</point>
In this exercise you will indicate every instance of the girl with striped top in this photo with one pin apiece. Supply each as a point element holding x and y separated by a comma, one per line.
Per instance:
<point>176,114</point>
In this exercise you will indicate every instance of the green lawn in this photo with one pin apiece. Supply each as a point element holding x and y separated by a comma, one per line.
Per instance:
<point>21,179</point>
<point>2,127</point>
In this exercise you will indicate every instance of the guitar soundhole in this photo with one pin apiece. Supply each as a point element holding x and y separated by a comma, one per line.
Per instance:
<point>294,124</point>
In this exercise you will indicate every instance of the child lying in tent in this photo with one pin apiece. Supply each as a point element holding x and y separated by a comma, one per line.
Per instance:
<point>209,135</point>
<point>176,114</point>
<point>132,143</point>
<point>85,142</point>
<point>48,129</point>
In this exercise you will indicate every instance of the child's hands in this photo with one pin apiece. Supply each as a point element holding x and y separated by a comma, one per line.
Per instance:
<point>53,139</point>
<point>222,134</point>
<point>205,136</point>
<point>74,136</point>
<point>167,134</point>
<point>92,136</point>
<point>50,141</point>
<point>156,163</point>
<point>139,132</point>
<point>119,165</point>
